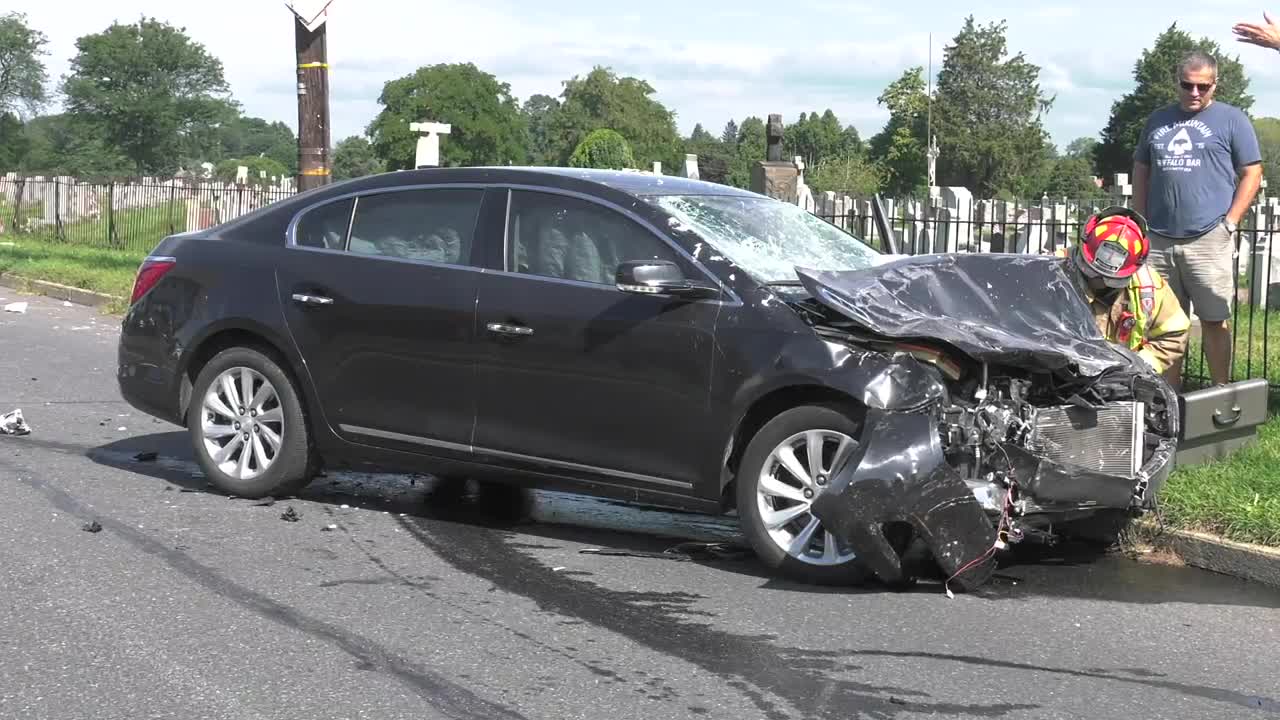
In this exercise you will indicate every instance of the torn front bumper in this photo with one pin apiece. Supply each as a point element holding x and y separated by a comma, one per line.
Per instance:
<point>902,476</point>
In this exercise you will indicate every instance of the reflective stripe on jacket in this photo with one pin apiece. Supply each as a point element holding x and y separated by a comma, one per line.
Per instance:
<point>1146,317</point>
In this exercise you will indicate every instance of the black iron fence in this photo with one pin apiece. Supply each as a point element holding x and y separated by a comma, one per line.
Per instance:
<point>132,216</point>
<point>916,227</point>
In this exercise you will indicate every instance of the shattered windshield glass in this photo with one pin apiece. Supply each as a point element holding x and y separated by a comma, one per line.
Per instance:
<point>766,237</point>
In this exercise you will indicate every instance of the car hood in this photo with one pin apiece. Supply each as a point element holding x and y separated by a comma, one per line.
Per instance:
<point>1020,310</point>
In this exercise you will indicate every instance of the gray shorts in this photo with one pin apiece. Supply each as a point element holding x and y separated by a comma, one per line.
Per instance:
<point>1200,270</point>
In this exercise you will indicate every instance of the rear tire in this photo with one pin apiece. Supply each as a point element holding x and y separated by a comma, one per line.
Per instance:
<point>247,426</point>
<point>770,490</point>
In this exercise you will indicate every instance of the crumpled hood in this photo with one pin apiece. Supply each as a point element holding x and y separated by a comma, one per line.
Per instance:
<point>1020,310</point>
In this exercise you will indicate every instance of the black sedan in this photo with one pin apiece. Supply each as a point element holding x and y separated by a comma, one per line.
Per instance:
<point>651,339</point>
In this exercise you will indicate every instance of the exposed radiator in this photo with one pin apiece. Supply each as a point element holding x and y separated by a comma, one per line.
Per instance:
<point>1108,441</point>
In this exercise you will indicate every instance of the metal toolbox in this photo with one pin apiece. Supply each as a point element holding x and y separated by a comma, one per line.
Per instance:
<point>1217,421</point>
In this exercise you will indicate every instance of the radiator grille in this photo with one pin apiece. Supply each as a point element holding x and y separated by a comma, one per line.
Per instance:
<point>1109,440</point>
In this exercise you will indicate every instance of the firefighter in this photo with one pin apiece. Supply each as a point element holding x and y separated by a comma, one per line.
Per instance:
<point>1132,304</point>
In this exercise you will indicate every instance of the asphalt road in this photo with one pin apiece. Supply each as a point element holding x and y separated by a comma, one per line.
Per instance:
<point>422,604</point>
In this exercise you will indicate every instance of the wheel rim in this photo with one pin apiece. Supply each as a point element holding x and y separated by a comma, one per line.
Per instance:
<point>788,486</point>
<point>242,423</point>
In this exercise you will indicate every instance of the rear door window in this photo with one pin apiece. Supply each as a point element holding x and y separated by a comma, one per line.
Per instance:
<point>433,225</point>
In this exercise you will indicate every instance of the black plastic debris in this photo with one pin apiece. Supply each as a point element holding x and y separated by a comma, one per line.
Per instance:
<point>145,456</point>
<point>684,552</point>
<point>897,701</point>
<point>92,527</point>
<point>290,515</point>
<point>266,502</point>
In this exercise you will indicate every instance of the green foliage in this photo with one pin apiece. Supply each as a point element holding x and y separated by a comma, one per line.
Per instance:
<point>1070,176</point>
<point>147,88</point>
<point>815,137</point>
<point>226,170</point>
<point>538,112</point>
<point>68,145</point>
<point>899,149</point>
<point>729,136</point>
<point>249,136</point>
<point>487,125</point>
<point>751,146</point>
<point>604,100</point>
<point>15,146</point>
<point>1081,147</point>
<point>354,157</point>
<point>1268,131</point>
<point>22,71</point>
<point>987,114</point>
<point>604,149</point>
<point>852,174</point>
<point>1155,75</point>
<point>715,156</point>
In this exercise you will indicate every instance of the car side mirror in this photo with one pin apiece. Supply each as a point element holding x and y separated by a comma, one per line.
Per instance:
<point>660,277</point>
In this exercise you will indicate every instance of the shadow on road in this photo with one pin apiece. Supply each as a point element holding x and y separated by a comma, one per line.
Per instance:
<point>636,533</point>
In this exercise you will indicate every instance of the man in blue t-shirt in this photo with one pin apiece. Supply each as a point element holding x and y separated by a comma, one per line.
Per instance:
<point>1196,170</point>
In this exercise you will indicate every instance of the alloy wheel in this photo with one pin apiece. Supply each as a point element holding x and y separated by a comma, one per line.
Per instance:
<point>797,471</point>
<point>242,423</point>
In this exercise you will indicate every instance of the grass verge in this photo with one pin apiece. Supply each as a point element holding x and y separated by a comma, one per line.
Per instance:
<point>88,268</point>
<point>1237,498</point>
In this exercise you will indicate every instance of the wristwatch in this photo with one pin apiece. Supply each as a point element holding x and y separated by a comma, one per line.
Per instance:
<point>1231,227</point>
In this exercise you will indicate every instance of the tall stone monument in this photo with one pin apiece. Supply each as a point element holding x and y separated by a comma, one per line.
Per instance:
<point>774,176</point>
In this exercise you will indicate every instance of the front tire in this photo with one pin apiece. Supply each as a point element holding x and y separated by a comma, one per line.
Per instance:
<point>247,427</point>
<point>776,484</point>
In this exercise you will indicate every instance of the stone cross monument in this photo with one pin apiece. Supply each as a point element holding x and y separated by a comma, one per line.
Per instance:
<point>428,154</point>
<point>774,176</point>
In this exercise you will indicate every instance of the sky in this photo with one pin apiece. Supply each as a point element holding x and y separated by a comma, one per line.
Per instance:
<point>709,61</point>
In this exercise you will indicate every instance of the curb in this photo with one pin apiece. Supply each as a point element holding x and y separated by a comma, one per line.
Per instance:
<point>1208,552</point>
<point>55,290</point>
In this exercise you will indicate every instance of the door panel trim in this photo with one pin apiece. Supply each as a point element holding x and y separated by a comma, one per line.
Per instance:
<point>428,442</point>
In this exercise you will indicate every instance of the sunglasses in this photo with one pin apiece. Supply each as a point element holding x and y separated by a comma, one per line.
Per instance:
<point>1202,87</point>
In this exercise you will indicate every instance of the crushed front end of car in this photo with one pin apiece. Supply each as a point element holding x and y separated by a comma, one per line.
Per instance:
<point>1033,421</point>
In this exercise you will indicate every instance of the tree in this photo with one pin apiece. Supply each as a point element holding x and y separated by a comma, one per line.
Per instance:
<point>1071,176</point>
<point>750,148</point>
<point>605,149</point>
<point>148,87</point>
<point>714,155</point>
<point>538,112</point>
<point>15,146</point>
<point>987,113</point>
<point>852,174</point>
<point>248,136</point>
<point>899,148</point>
<point>65,145</point>
<point>487,126</point>
<point>604,100</point>
<point>22,72</point>
<point>1081,147</point>
<point>1268,131</point>
<point>1155,77</point>
<point>353,157</point>
<point>730,134</point>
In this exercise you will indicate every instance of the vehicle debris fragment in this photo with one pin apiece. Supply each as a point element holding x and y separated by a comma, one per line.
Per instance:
<point>13,423</point>
<point>92,527</point>
<point>145,456</point>
<point>17,307</point>
<point>290,515</point>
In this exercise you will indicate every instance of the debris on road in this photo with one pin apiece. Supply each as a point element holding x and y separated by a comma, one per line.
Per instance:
<point>329,528</point>
<point>92,527</point>
<point>290,515</point>
<point>268,502</point>
<point>145,456</point>
<point>684,552</point>
<point>18,307</point>
<point>14,424</point>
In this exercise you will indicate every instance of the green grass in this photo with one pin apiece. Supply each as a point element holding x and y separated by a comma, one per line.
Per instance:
<point>1237,498</point>
<point>88,268</point>
<point>138,229</point>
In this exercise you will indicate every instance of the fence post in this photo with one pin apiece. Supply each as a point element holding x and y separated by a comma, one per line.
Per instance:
<point>57,210</point>
<point>21,185</point>
<point>111,214</point>
<point>173,200</point>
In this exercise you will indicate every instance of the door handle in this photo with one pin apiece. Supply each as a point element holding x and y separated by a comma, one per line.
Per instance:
<point>504,329</point>
<point>312,299</point>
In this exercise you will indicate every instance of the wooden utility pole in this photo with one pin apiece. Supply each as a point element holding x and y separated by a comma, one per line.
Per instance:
<point>313,98</point>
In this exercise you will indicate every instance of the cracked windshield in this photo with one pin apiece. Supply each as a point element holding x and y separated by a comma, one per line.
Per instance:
<point>768,239</point>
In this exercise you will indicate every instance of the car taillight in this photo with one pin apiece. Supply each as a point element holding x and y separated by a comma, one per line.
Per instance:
<point>149,273</point>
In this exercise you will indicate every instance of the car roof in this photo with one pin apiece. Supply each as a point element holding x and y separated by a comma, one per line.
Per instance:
<point>629,182</point>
